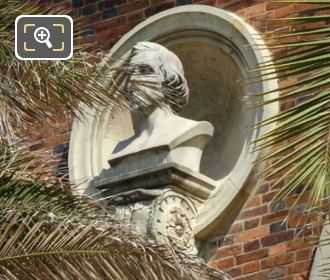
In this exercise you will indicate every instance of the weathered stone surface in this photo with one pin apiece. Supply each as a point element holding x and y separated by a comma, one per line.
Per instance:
<point>215,48</point>
<point>153,175</point>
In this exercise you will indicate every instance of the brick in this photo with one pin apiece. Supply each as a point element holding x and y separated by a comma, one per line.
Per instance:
<point>252,256</point>
<point>276,206</point>
<point>153,2</point>
<point>90,1</point>
<point>135,17</point>
<point>61,148</point>
<point>276,273</point>
<point>251,223</point>
<point>234,272</point>
<point>304,254</point>
<point>158,8</point>
<point>287,105</point>
<point>123,29</point>
<point>273,5</point>
<point>277,227</point>
<point>255,10</point>
<point>109,24</point>
<point>278,249</point>
<point>263,188</point>
<point>291,277</point>
<point>224,263</point>
<point>183,2</point>
<point>37,146</point>
<point>299,277</point>
<point>267,197</point>
<point>231,250</point>
<point>87,30</point>
<point>50,142</point>
<point>107,34</point>
<point>252,234</point>
<point>283,11</point>
<point>257,211</point>
<point>110,13</point>
<point>271,218</point>
<point>251,246</point>
<point>87,20</point>
<point>89,10</point>
<point>299,267</point>
<point>77,3</point>
<point>305,231</point>
<point>62,8</point>
<point>87,40</point>
<point>297,244</point>
<point>251,267</point>
<point>300,209</point>
<point>205,2</point>
<point>263,275</point>
<point>277,238</point>
<point>277,261</point>
<point>110,4</point>
<point>253,202</point>
<point>296,221</point>
<point>133,6</point>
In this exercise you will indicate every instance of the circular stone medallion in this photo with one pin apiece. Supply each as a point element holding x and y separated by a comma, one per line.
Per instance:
<point>173,221</point>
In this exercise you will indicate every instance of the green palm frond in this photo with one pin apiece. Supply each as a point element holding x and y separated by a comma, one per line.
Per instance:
<point>33,90</point>
<point>302,132</point>
<point>37,90</point>
<point>47,233</point>
<point>28,183</point>
<point>53,248</point>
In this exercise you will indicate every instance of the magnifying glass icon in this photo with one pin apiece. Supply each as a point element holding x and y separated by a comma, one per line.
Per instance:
<point>41,35</point>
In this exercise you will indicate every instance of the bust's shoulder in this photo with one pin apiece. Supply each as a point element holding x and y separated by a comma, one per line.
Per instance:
<point>186,129</point>
<point>196,126</point>
<point>173,132</point>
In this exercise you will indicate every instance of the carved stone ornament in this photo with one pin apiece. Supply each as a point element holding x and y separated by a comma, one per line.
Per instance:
<point>173,223</point>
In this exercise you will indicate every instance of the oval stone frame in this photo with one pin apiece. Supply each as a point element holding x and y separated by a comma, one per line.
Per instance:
<point>216,48</point>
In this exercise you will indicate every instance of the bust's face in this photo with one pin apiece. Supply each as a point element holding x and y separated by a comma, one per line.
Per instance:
<point>156,77</point>
<point>144,83</point>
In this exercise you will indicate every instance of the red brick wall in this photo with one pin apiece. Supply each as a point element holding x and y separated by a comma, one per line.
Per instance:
<point>264,242</point>
<point>105,21</point>
<point>260,243</point>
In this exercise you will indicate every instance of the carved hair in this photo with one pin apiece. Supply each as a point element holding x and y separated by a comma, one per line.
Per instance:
<point>174,84</point>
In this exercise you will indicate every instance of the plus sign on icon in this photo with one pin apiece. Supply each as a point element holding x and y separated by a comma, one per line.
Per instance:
<point>43,37</point>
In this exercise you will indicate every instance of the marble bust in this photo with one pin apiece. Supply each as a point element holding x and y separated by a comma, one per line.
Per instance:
<point>157,83</point>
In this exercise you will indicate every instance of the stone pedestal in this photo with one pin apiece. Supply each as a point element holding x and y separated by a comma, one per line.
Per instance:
<point>160,199</point>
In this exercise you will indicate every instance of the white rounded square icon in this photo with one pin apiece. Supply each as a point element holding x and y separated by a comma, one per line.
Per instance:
<point>43,37</point>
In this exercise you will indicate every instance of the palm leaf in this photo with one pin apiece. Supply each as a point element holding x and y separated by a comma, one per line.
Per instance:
<point>302,132</point>
<point>33,91</point>
<point>100,250</point>
<point>47,233</point>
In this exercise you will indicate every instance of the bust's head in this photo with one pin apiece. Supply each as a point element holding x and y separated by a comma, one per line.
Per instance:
<point>156,74</point>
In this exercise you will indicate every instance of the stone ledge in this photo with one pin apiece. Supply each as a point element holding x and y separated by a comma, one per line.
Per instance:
<point>156,177</point>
